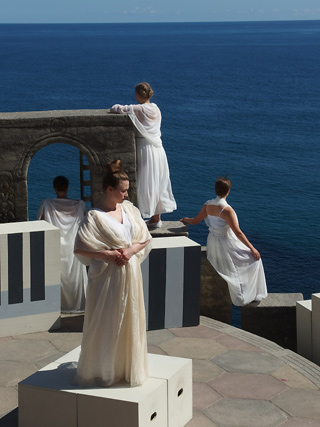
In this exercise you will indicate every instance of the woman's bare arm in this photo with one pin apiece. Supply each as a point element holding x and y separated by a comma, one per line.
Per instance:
<point>127,253</point>
<point>200,217</point>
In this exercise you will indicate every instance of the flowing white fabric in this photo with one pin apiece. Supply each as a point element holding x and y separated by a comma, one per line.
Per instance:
<point>154,190</point>
<point>67,214</point>
<point>114,344</point>
<point>234,261</point>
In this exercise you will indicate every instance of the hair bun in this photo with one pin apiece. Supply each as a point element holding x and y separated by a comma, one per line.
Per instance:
<point>114,167</point>
<point>144,90</point>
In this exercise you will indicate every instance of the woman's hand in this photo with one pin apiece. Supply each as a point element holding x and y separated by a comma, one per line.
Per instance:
<point>255,253</point>
<point>114,255</point>
<point>127,253</point>
<point>120,256</point>
<point>194,221</point>
<point>185,219</point>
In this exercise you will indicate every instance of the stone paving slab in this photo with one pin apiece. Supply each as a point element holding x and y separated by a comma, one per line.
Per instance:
<point>248,362</point>
<point>247,386</point>
<point>239,379</point>
<point>290,402</point>
<point>245,413</point>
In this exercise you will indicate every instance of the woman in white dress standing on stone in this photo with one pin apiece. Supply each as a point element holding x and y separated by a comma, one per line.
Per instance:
<point>114,240</point>
<point>229,251</point>
<point>154,192</point>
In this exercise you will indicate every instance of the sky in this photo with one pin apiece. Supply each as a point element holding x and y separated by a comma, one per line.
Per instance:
<point>118,11</point>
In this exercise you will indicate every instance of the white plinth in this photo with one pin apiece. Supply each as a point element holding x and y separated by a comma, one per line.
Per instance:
<point>316,328</point>
<point>177,372</point>
<point>47,398</point>
<point>304,328</point>
<point>30,289</point>
<point>171,283</point>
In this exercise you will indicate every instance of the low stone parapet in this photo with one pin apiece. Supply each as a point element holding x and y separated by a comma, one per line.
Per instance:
<point>273,318</point>
<point>170,229</point>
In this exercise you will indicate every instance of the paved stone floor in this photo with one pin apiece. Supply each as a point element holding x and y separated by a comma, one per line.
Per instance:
<point>239,379</point>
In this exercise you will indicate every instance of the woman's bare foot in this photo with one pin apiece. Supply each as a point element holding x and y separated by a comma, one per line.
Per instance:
<point>154,221</point>
<point>155,218</point>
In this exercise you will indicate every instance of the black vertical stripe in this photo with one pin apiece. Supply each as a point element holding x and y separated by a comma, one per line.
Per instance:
<point>37,266</point>
<point>191,291</point>
<point>15,268</point>
<point>157,288</point>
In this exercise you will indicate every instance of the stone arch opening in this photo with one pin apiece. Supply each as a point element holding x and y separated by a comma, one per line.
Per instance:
<point>51,156</point>
<point>50,161</point>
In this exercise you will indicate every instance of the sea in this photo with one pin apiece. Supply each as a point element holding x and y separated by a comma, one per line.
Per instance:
<point>238,99</point>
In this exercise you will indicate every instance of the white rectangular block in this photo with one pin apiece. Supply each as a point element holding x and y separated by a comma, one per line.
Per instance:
<point>177,371</point>
<point>304,328</point>
<point>30,286</point>
<point>171,283</point>
<point>316,328</point>
<point>46,399</point>
<point>165,400</point>
<point>65,405</point>
<point>122,405</point>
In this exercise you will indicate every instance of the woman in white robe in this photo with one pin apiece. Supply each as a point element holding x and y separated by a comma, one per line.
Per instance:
<point>67,214</point>
<point>154,190</point>
<point>113,240</point>
<point>229,251</point>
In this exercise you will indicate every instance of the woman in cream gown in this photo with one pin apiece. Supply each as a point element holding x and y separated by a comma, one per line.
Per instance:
<point>113,240</point>
<point>228,249</point>
<point>153,178</point>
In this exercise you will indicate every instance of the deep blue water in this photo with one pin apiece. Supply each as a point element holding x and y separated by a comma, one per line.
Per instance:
<point>241,99</point>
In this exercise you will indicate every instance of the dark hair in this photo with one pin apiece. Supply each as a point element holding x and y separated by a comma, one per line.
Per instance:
<point>144,90</point>
<point>114,175</point>
<point>60,183</point>
<point>222,186</point>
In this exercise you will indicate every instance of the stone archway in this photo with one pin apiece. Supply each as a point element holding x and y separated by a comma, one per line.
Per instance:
<point>59,157</point>
<point>99,135</point>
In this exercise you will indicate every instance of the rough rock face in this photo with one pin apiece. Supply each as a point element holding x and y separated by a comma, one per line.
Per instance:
<point>99,135</point>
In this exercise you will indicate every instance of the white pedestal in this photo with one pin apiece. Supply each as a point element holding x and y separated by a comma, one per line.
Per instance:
<point>171,283</point>
<point>30,286</point>
<point>47,398</point>
<point>177,372</point>
<point>316,328</point>
<point>304,328</point>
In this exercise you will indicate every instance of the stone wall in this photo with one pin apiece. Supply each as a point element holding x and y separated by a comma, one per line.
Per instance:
<point>99,135</point>
<point>215,301</point>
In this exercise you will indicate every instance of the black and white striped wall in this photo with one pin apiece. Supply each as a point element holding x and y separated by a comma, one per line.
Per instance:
<point>30,296</point>
<point>171,283</point>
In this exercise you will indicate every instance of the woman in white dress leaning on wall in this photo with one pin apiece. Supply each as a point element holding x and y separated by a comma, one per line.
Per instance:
<point>154,190</point>
<point>229,251</point>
